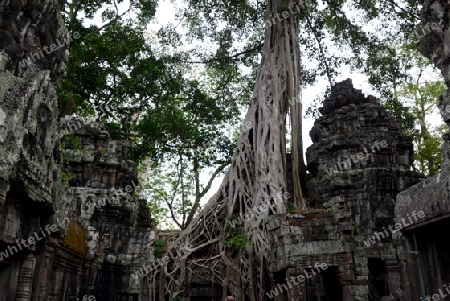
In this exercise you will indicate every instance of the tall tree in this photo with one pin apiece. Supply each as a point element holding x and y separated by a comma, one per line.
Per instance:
<point>175,187</point>
<point>143,94</point>
<point>410,87</point>
<point>423,97</point>
<point>256,178</point>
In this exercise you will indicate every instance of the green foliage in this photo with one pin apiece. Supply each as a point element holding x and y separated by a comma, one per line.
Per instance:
<point>400,112</point>
<point>236,239</point>
<point>141,94</point>
<point>289,206</point>
<point>423,97</point>
<point>175,187</point>
<point>65,177</point>
<point>363,31</point>
<point>160,247</point>
<point>428,155</point>
<point>140,87</point>
<point>144,10</point>
<point>159,215</point>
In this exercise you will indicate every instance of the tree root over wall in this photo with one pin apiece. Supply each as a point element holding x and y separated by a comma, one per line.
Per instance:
<point>255,181</point>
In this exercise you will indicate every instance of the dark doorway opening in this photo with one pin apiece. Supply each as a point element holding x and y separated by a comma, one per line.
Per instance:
<point>378,286</point>
<point>324,286</point>
<point>333,288</point>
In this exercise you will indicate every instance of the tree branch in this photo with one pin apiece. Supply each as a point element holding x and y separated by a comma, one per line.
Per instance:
<point>226,58</point>
<point>204,191</point>
<point>213,176</point>
<point>109,23</point>
<point>327,68</point>
<point>173,216</point>
<point>403,10</point>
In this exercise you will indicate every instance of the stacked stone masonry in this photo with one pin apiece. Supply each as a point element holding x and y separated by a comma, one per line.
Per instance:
<point>348,205</point>
<point>102,230</point>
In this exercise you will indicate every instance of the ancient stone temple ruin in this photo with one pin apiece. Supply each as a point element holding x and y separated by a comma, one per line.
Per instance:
<point>109,229</point>
<point>102,230</point>
<point>60,242</point>
<point>73,227</point>
<point>360,159</point>
<point>423,247</point>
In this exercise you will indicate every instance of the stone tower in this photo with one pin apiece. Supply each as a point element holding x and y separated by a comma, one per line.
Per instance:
<point>360,159</point>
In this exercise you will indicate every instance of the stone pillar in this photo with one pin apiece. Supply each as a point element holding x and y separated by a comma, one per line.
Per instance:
<point>44,266</point>
<point>25,278</point>
<point>361,278</point>
<point>393,276</point>
<point>295,289</point>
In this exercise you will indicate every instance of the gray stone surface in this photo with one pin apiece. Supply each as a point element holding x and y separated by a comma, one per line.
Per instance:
<point>29,169</point>
<point>103,230</point>
<point>99,202</point>
<point>422,247</point>
<point>349,205</point>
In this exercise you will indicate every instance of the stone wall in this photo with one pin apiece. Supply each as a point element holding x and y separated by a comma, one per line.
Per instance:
<point>109,229</point>
<point>423,247</point>
<point>350,124</point>
<point>60,242</point>
<point>360,159</point>
<point>29,171</point>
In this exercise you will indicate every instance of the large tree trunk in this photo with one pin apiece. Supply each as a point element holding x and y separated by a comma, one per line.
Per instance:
<point>293,70</point>
<point>256,179</point>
